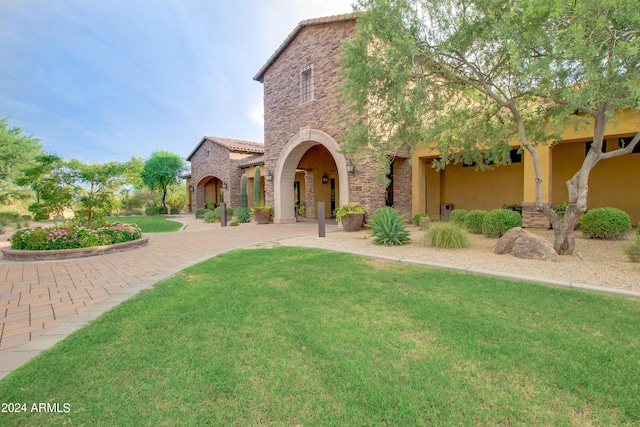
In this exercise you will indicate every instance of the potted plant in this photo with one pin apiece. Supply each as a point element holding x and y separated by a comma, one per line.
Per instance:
<point>302,209</point>
<point>262,213</point>
<point>351,215</point>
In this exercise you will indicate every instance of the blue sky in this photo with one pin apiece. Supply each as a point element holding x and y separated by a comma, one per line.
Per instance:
<point>103,80</point>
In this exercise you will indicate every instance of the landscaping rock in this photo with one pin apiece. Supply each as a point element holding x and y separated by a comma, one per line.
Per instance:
<point>524,244</point>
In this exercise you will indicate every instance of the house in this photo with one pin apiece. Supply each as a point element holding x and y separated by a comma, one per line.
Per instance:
<point>301,160</point>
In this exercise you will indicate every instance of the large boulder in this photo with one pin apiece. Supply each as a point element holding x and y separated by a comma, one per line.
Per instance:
<point>524,244</point>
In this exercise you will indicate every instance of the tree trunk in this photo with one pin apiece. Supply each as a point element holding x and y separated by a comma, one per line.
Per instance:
<point>564,240</point>
<point>164,203</point>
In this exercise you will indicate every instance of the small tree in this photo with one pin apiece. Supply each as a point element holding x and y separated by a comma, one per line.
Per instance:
<point>161,170</point>
<point>477,75</point>
<point>52,185</point>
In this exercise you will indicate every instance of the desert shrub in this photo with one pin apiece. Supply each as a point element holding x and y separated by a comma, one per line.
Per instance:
<point>633,250</point>
<point>174,211</point>
<point>387,227</point>
<point>473,221</point>
<point>425,221</point>
<point>212,215</point>
<point>200,212</point>
<point>243,215</point>
<point>154,210</point>
<point>234,224</point>
<point>499,221</point>
<point>457,216</point>
<point>417,217</point>
<point>70,237</point>
<point>605,223</point>
<point>446,235</point>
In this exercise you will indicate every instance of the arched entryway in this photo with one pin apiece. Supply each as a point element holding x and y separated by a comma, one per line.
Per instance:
<point>288,162</point>
<point>208,191</point>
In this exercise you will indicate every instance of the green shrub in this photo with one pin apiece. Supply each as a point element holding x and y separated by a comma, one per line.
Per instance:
<point>174,211</point>
<point>200,212</point>
<point>417,217</point>
<point>387,227</point>
<point>348,209</point>
<point>11,217</point>
<point>133,212</point>
<point>605,223</point>
<point>499,221</point>
<point>446,235</point>
<point>210,216</point>
<point>425,221</point>
<point>154,210</point>
<point>633,250</point>
<point>243,215</point>
<point>473,221</point>
<point>234,224</point>
<point>457,216</point>
<point>513,207</point>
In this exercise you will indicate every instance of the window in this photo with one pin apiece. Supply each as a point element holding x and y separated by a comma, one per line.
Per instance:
<point>306,84</point>
<point>623,142</point>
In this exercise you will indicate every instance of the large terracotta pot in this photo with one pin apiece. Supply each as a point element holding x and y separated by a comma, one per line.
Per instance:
<point>262,216</point>
<point>352,221</point>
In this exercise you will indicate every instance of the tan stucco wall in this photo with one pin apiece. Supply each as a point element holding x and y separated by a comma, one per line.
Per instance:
<point>319,160</point>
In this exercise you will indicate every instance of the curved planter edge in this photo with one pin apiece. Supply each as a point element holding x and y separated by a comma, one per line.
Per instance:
<point>61,254</point>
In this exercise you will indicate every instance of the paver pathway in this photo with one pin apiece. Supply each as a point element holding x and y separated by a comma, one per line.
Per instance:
<point>42,302</point>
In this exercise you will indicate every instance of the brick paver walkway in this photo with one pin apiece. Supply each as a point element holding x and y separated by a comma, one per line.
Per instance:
<point>41,302</point>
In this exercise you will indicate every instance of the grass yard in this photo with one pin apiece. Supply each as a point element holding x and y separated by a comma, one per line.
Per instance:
<point>149,224</point>
<point>290,336</point>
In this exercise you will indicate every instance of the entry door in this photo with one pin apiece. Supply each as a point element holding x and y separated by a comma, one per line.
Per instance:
<point>333,197</point>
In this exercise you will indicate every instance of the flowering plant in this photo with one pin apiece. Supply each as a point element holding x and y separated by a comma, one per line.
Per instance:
<point>71,237</point>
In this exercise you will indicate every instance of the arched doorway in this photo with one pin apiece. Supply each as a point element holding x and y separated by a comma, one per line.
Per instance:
<point>208,191</point>
<point>288,162</point>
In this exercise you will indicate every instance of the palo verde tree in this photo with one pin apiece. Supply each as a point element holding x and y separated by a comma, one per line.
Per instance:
<point>161,170</point>
<point>475,76</point>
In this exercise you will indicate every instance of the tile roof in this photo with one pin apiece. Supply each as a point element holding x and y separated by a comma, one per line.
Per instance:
<point>306,23</point>
<point>231,144</point>
<point>252,161</point>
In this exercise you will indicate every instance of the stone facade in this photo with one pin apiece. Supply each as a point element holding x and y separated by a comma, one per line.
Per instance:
<point>315,45</point>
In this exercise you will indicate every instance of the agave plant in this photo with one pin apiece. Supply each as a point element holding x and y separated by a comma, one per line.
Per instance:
<point>387,227</point>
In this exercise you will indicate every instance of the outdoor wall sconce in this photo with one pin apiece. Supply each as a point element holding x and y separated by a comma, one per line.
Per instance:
<point>224,185</point>
<point>191,188</point>
<point>325,178</point>
<point>351,168</point>
<point>269,176</point>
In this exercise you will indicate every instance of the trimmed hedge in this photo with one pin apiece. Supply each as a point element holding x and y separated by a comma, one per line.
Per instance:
<point>605,223</point>
<point>473,221</point>
<point>499,221</point>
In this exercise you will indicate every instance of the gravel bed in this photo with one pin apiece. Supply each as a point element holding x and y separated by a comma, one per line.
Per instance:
<point>596,262</point>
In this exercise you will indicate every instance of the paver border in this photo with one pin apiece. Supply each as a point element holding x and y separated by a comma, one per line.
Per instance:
<point>63,254</point>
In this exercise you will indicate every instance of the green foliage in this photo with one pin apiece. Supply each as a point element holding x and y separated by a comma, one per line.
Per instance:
<point>216,213</point>
<point>174,211</point>
<point>387,227</point>
<point>244,198</point>
<point>2,230</point>
<point>605,223</point>
<point>302,208</point>
<point>17,154</point>
<point>133,212</point>
<point>69,236</point>
<point>561,209</point>
<point>161,170</point>
<point>243,215</point>
<point>348,209</point>
<point>417,217</point>
<point>212,216</point>
<point>233,224</point>
<point>633,250</point>
<point>473,221</point>
<point>446,235</point>
<point>499,221</point>
<point>12,217</point>
<point>458,216</point>
<point>154,210</point>
<point>200,212</point>
<point>256,186</point>
<point>516,207</point>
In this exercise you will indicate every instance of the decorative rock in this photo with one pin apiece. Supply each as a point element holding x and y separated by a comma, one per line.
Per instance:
<point>524,244</point>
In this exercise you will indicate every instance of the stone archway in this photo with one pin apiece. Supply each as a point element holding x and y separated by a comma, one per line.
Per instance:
<point>286,169</point>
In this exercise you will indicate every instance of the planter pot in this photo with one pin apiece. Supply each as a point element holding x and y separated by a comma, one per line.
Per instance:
<point>352,222</point>
<point>262,216</point>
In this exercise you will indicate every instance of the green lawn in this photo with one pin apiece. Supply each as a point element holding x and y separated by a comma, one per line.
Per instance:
<point>290,336</point>
<point>149,224</point>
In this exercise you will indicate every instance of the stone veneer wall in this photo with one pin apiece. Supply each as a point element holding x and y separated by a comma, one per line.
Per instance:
<point>531,218</point>
<point>284,116</point>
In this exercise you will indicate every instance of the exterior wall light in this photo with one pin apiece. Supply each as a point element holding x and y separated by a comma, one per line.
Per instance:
<point>351,168</point>
<point>224,185</point>
<point>325,178</point>
<point>191,188</point>
<point>269,177</point>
